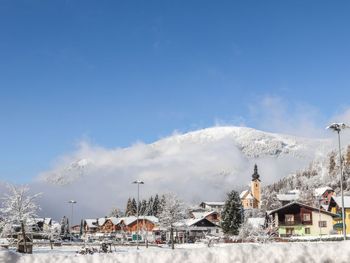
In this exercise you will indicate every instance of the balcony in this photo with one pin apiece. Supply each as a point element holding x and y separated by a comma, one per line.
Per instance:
<point>294,223</point>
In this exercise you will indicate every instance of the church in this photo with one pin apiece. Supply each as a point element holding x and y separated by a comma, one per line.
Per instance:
<point>251,198</point>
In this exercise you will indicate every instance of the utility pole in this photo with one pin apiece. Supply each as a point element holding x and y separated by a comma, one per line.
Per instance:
<point>138,182</point>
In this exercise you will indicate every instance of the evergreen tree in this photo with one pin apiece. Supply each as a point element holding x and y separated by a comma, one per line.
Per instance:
<point>133,207</point>
<point>156,203</point>
<point>162,203</point>
<point>150,206</point>
<point>232,215</point>
<point>129,208</point>
<point>143,209</point>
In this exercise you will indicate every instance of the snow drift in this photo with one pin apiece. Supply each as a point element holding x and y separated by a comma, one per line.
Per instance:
<point>245,253</point>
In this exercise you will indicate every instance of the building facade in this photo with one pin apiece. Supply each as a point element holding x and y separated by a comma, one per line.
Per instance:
<point>252,198</point>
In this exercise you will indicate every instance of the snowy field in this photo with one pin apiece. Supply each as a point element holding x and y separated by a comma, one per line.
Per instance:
<point>277,252</point>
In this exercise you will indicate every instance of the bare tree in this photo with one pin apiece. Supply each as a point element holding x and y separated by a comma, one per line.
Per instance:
<point>173,210</point>
<point>18,208</point>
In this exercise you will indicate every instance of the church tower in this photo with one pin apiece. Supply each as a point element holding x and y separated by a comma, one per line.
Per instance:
<point>255,186</point>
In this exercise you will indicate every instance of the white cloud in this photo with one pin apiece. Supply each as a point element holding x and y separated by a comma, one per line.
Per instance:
<point>199,166</point>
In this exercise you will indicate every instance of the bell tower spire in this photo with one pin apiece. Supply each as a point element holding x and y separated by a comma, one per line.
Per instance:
<point>255,186</point>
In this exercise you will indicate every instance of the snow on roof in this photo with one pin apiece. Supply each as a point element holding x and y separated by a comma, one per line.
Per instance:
<point>249,196</point>
<point>91,223</point>
<point>294,191</point>
<point>243,194</point>
<point>321,190</point>
<point>304,205</point>
<point>337,199</point>
<point>198,215</point>
<point>130,219</point>
<point>256,222</point>
<point>214,203</point>
<point>289,196</point>
<point>189,222</point>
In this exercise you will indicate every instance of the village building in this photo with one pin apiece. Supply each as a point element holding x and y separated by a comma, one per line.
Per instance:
<point>212,206</point>
<point>335,206</point>
<point>289,197</point>
<point>125,225</point>
<point>251,198</point>
<point>91,226</point>
<point>323,195</point>
<point>190,230</point>
<point>212,216</point>
<point>297,219</point>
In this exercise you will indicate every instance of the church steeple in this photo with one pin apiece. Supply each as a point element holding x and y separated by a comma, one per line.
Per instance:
<point>255,175</point>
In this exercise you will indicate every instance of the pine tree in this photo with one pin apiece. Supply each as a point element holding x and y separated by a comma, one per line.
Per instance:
<point>150,206</point>
<point>232,215</point>
<point>128,210</point>
<point>133,207</point>
<point>156,206</point>
<point>143,209</point>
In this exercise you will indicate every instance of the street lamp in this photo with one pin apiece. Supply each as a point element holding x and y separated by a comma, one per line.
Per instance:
<point>337,127</point>
<point>138,182</point>
<point>72,202</point>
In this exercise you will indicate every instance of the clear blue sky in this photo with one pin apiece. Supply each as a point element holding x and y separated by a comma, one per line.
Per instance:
<point>121,71</point>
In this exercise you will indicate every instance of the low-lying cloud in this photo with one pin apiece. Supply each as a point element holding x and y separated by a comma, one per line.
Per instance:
<point>199,166</point>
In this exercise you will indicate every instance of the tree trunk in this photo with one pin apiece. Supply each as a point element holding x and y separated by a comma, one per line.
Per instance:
<point>24,237</point>
<point>172,237</point>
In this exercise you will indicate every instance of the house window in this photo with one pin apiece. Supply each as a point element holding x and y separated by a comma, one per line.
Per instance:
<point>322,223</point>
<point>307,217</point>
<point>289,231</point>
<point>289,218</point>
<point>307,231</point>
<point>217,231</point>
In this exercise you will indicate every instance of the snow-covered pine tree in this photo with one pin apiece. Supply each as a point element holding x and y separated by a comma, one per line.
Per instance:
<point>18,208</point>
<point>143,208</point>
<point>232,214</point>
<point>133,207</point>
<point>128,210</point>
<point>156,206</point>
<point>173,210</point>
<point>150,206</point>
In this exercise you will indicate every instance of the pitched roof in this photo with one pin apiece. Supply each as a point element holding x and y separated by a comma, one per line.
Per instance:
<point>321,190</point>
<point>214,203</point>
<point>290,196</point>
<point>304,205</point>
<point>190,222</point>
<point>243,194</point>
<point>199,215</point>
<point>337,200</point>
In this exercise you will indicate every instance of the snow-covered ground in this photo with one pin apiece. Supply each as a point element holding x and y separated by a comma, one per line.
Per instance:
<point>276,252</point>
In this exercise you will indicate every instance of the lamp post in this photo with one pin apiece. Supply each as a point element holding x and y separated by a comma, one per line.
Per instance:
<point>337,127</point>
<point>72,202</point>
<point>138,182</point>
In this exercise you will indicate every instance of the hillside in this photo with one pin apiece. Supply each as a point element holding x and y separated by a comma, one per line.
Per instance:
<point>199,165</point>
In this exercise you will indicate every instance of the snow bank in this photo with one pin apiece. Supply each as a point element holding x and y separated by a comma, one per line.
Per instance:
<point>278,252</point>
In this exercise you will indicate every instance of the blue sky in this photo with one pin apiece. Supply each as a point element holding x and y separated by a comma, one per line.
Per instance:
<point>119,72</point>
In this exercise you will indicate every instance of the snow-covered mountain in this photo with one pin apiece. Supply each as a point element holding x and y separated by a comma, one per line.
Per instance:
<point>198,165</point>
<point>251,144</point>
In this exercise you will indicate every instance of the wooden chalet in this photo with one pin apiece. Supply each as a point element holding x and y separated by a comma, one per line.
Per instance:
<point>297,219</point>
<point>128,224</point>
<point>190,230</point>
<point>212,216</point>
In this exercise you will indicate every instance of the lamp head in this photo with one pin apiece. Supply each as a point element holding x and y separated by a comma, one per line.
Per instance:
<point>337,127</point>
<point>138,182</point>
